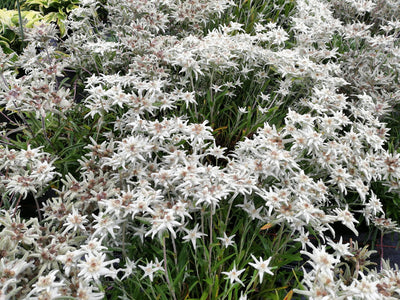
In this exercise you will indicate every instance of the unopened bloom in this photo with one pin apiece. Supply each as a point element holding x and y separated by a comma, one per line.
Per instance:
<point>243,110</point>
<point>243,296</point>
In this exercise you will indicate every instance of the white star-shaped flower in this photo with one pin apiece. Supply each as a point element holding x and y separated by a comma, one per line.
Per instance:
<point>233,275</point>
<point>261,266</point>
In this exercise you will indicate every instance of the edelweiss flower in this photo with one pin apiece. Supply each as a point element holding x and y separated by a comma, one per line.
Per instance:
<point>320,259</point>
<point>366,288</point>
<point>95,266</point>
<point>227,241</point>
<point>105,224</point>
<point>47,283</point>
<point>233,275</point>
<point>261,266</point>
<point>75,221</point>
<point>163,223</point>
<point>150,269</point>
<point>130,266</point>
<point>347,218</point>
<point>340,248</point>
<point>68,260</point>
<point>86,292</point>
<point>193,235</point>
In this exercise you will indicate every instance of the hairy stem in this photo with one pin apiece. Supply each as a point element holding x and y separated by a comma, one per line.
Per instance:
<point>171,288</point>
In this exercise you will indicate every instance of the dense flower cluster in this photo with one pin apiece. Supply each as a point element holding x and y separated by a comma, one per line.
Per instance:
<point>25,171</point>
<point>149,173</point>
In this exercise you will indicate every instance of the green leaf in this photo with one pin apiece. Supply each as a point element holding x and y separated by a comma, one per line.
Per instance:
<point>6,16</point>
<point>51,17</point>
<point>8,36</point>
<point>221,262</point>
<point>204,296</point>
<point>179,277</point>
<point>6,47</point>
<point>215,288</point>
<point>61,26</point>
<point>73,147</point>
<point>193,285</point>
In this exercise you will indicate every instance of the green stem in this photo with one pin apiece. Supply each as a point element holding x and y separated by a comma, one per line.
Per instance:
<point>7,86</point>
<point>196,264</point>
<point>210,250</point>
<point>193,89</point>
<point>212,99</point>
<point>16,205</point>
<point>20,23</point>
<point>123,240</point>
<point>229,210</point>
<point>38,209</point>
<point>279,237</point>
<point>175,253</point>
<point>45,134</point>
<point>211,242</point>
<point>171,288</point>
<point>202,230</point>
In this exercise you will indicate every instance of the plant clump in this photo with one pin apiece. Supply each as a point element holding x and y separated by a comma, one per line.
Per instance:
<point>200,150</point>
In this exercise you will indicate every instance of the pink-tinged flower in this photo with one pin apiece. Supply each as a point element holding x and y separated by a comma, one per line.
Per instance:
<point>75,221</point>
<point>365,288</point>
<point>68,260</point>
<point>93,246</point>
<point>105,225</point>
<point>47,283</point>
